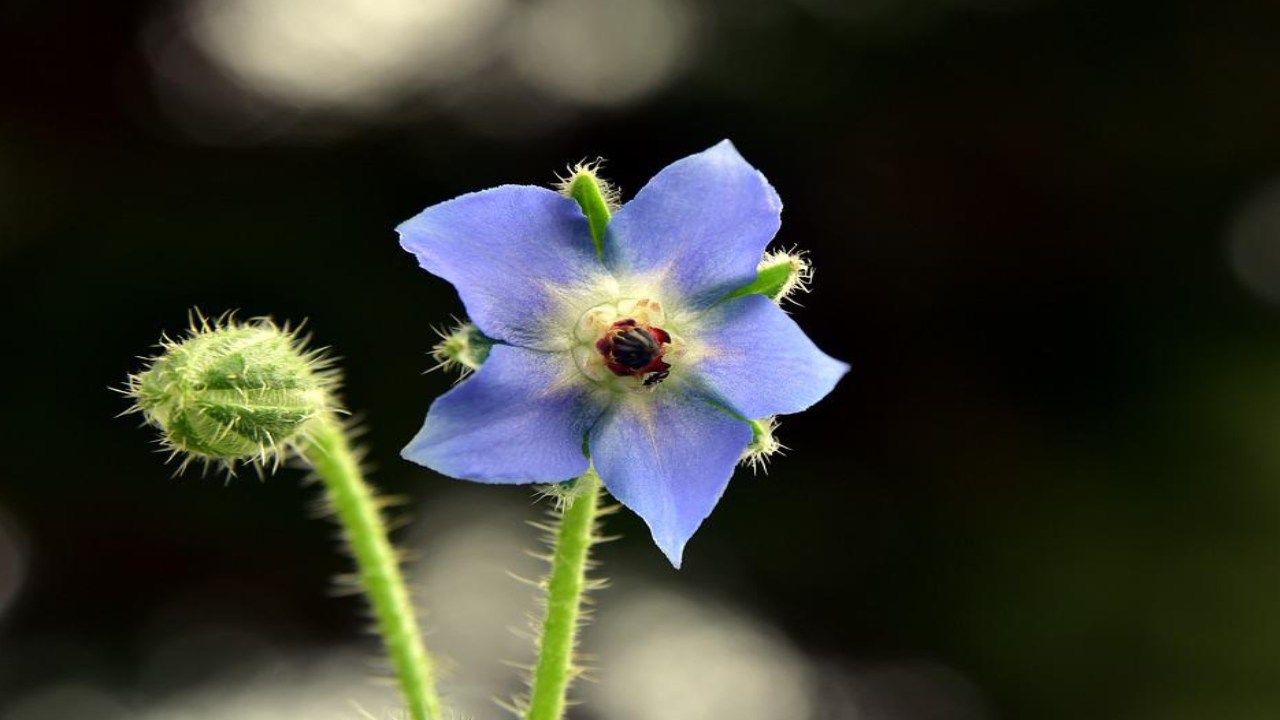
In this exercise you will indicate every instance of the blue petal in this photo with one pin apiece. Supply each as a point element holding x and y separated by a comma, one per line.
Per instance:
<point>700,226</point>
<point>752,355</point>
<point>517,254</point>
<point>520,419</point>
<point>668,456</point>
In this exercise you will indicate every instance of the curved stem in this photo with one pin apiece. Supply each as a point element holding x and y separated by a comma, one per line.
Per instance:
<point>354,503</point>
<point>568,580</point>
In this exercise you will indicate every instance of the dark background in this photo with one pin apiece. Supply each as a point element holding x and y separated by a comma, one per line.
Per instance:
<point>1047,238</point>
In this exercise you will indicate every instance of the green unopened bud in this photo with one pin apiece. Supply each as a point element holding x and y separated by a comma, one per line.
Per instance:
<point>763,444</point>
<point>598,198</point>
<point>778,276</point>
<point>463,348</point>
<point>233,391</point>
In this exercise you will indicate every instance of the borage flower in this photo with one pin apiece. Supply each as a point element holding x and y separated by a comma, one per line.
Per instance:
<point>648,354</point>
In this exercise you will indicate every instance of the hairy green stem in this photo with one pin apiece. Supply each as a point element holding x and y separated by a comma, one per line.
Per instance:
<point>358,512</point>
<point>567,582</point>
<point>565,587</point>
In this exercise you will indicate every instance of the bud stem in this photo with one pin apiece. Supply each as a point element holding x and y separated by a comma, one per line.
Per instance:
<point>565,587</point>
<point>353,501</point>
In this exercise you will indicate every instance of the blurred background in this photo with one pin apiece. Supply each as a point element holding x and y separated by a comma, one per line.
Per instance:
<point>1047,237</point>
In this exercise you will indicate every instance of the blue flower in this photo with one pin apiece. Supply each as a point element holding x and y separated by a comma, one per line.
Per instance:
<point>638,358</point>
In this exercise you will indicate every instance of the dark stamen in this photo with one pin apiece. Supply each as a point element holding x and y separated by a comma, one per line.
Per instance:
<point>634,348</point>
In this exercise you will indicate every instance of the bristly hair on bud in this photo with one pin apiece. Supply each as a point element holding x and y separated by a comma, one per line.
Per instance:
<point>763,444</point>
<point>597,197</point>
<point>794,270</point>
<point>779,276</point>
<point>799,276</point>
<point>232,391</point>
<point>462,348</point>
<point>567,183</point>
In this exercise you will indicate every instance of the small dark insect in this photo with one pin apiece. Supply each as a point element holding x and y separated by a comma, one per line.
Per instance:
<point>656,377</point>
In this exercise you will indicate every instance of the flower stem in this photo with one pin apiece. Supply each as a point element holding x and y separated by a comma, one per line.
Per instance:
<point>555,670</point>
<point>356,507</point>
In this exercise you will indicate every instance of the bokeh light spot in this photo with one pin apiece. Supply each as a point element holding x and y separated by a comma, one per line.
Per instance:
<point>344,53</point>
<point>602,52</point>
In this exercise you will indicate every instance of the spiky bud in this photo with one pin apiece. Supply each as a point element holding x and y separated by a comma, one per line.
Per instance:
<point>790,273</point>
<point>763,444</point>
<point>463,348</point>
<point>780,275</point>
<point>232,391</point>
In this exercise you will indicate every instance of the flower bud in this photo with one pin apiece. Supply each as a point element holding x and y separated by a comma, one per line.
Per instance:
<point>763,444</point>
<point>463,348</point>
<point>597,197</point>
<point>234,391</point>
<point>779,275</point>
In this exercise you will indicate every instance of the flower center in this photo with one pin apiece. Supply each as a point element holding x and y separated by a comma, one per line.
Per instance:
<point>632,349</point>
<point>621,344</point>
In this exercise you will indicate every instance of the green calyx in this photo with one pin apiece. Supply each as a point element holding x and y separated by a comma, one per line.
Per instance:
<point>597,197</point>
<point>779,275</point>
<point>763,443</point>
<point>234,391</point>
<point>463,348</point>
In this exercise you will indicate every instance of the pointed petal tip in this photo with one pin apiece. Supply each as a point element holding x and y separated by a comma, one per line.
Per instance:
<point>726,146</point>
<point>419,456</point>
<point>841,366</point>
<point>673,548</point>
<point>726,152</point>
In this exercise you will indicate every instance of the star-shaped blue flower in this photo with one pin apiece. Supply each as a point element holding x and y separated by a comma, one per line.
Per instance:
<point>638,358</point>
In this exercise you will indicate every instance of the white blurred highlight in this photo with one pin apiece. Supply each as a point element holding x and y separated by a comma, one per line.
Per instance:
<point>668,655</point>
<point>250,70</point>
<point>1253,241</point>
<point>327,686</point>
<point>602,52</point>
<point>343,53</point>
